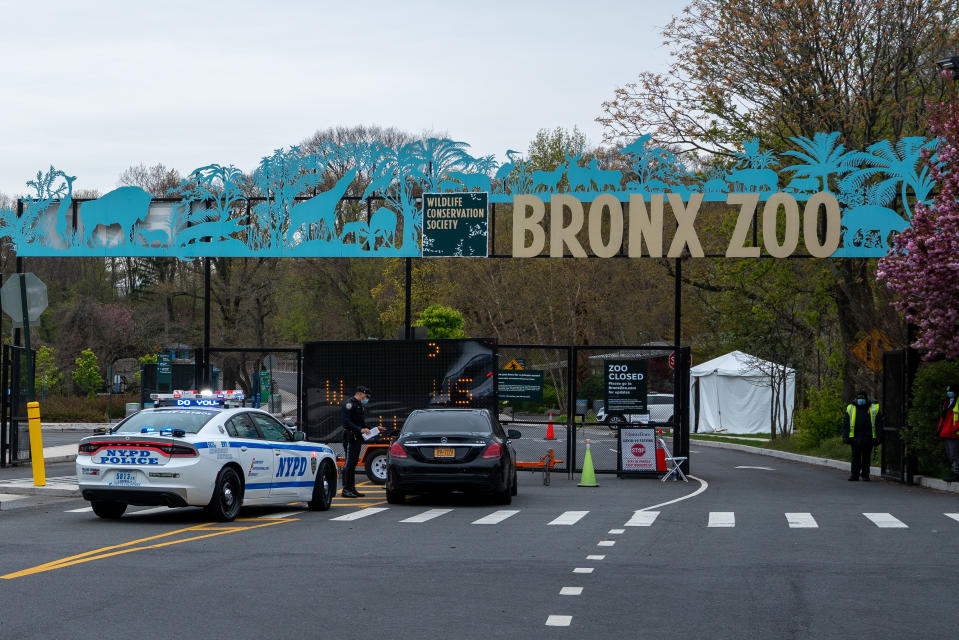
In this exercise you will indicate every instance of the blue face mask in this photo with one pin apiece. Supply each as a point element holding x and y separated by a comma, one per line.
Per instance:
<point>861,401</point>
<point>950,394</point>
<point>365,400</point>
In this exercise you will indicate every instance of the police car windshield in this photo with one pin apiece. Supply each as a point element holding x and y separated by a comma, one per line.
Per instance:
<point>447,422</point>
<point>189,420</point>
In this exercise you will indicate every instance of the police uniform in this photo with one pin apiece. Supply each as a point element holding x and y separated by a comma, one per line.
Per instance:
<point>862,429</point>
<point>354,421</point>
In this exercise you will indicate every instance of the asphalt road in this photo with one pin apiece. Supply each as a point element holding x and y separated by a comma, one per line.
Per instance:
<point>285,572</point>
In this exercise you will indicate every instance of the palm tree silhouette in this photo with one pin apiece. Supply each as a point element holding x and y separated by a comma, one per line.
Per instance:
<point>823,156</point>
<point>899,163</point>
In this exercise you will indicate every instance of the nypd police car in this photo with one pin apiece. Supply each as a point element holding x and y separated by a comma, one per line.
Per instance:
<point>203,450</point>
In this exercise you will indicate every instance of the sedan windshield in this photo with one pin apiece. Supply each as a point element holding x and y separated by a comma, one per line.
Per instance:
<point>189,420</point>
<point>447,422</point>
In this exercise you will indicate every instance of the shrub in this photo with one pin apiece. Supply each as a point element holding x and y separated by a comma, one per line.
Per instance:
<point>919,434</point>
<point>822,419</point>
<point>84,409</point>
<point>87,374</point>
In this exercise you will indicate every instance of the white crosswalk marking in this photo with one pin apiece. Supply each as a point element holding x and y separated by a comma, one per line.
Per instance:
<point>559,621</point>
<point>496,517</point>
<point>595,557</point>
<point>281,516</point>
<point>10,497</point>
<point>362,513</point>
<point>722,519</point>
<point>642,519</point>
<point>427,515</point>
<point>954,516</point>
<point>605,543</point>
<point>801,521</point>
<point>616,532</point>
<point>583,570</point>
<point>565,591</point>
<point>82,509</point>
<point>569,518</point>
<point>886,521</point>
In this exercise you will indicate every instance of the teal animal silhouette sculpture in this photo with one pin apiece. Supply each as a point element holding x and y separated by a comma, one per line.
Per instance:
<point>754,179</point>
<point>383,226</point>
<point>125,206</point>
<point>547,180</point>
<point>871,224</point>
<point>64,214</point>
<point>478,181</point>
<point>159,237</point>
<point>506,168</point>
<point>577,176</point>
<point>605,177</point>
<point>356,228</point>
<point>715,185</point>
<point>320,209</point>
<point>803,185</point>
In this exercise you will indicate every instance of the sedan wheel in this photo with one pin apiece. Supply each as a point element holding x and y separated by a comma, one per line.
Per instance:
<point>324,487</point>
<point>227,496</point>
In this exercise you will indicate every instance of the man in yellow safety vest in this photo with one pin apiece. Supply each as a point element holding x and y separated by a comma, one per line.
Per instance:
<point>862,428</point>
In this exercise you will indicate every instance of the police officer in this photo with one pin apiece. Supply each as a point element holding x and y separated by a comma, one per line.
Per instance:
<point>862,428</point>
<point>948,429</point>
<point>354,428</point>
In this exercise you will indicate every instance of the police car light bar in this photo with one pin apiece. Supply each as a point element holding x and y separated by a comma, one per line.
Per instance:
<point>194,398</point>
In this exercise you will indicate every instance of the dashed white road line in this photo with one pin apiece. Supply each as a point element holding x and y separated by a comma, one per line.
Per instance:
<point>801,521</point>
<point>362,513</point>
<point>595,557</point>
<point>616,532</point>
<point>605,543</point>
<point>569,518</point>
<point>427,515</point>
<point>80,510</point>
<point>571,591</point>
<point>722,519</point>
<point>954,516</point>
<point>558,621</point>
<point>886,521</point>
<point>496,517</point>
<point>583,570</point>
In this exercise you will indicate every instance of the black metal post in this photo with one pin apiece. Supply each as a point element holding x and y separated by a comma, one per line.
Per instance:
<point>571,410</point>
<point>409,299</point>
<point>678,378</point>
<point>206,323</point>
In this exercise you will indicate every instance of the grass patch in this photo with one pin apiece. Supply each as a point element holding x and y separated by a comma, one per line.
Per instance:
<point>83,409</point>
<point>831,448</point>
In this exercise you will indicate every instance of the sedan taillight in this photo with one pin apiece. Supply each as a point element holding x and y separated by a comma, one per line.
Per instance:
<point>493,451</point>
<point>397,450</point>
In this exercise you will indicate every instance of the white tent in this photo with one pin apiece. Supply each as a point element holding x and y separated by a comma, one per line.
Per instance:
<point>735,394</point>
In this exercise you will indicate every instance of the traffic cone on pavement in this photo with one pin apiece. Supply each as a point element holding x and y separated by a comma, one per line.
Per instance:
<point>549,428</point>
<point>588,478</point>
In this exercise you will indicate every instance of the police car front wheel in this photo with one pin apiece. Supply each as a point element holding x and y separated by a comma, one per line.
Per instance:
<point>107,509</point>
<point>324,487</point>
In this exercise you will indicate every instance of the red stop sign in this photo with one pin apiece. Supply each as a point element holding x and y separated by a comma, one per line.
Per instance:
<point>638,450</point>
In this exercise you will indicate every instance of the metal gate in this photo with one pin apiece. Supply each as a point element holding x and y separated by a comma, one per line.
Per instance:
<point>562,403</point>
<point>14,431</point>
<point>270,376</point>
<point>894,456</point>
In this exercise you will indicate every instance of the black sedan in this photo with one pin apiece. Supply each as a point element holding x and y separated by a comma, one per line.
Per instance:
<point>452,450</point>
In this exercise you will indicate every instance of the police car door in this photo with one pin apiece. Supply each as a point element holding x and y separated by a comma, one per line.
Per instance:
<point>254,454</point>
<point>291,468</point>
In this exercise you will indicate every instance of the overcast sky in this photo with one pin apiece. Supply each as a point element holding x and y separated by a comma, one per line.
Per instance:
<point>94,87</point>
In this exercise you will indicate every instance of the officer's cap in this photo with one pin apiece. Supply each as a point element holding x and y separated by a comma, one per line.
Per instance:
<point>363,389</point>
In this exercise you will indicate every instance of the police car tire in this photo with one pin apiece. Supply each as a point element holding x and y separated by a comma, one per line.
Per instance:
<point>109,510</point>
<point>376,467</point>
<point>324,487</point>
<point>227,496</point>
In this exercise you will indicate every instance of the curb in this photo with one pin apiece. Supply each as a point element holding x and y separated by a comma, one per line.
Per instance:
<point>921,481</point>
<point>59,491</point>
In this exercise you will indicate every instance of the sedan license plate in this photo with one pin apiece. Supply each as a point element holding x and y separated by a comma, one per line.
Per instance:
<point>444,452</point>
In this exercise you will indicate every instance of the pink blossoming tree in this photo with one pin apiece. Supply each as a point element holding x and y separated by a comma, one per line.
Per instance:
<point>922,266</point>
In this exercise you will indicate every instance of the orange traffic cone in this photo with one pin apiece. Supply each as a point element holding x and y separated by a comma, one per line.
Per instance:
<point>549,428</point>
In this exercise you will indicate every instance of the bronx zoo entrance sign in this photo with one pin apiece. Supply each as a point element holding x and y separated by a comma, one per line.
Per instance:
<point>432,198</point>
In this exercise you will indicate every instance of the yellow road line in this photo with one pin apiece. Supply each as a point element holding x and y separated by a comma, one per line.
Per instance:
<point>126,547</point>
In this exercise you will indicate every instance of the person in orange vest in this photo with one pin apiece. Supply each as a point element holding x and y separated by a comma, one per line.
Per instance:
<point>862,428</point>
<point>949,429</point>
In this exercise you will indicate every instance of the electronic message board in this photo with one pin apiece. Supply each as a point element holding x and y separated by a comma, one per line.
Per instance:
<point>402,375</point>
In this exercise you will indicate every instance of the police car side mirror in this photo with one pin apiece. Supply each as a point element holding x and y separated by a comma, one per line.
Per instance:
<point>99,431</point>
<point>299,435</point>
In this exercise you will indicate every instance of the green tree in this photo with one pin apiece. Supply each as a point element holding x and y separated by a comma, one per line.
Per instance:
<point>87,373</point>
<point>442,322</point>
<point>48,375</point>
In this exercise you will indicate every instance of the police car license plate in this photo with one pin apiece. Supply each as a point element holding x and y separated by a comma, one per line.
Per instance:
<point>125,479</point>
<point>444,452</point>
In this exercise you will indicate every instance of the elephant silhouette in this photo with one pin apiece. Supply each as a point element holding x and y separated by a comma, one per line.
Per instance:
<point>358,228</point>
<point>873,224</point>
<point>125,206</point>
<point>321,208</point>
<point>715,186</point>
<point>754,179</point>
<point>383,225</point>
